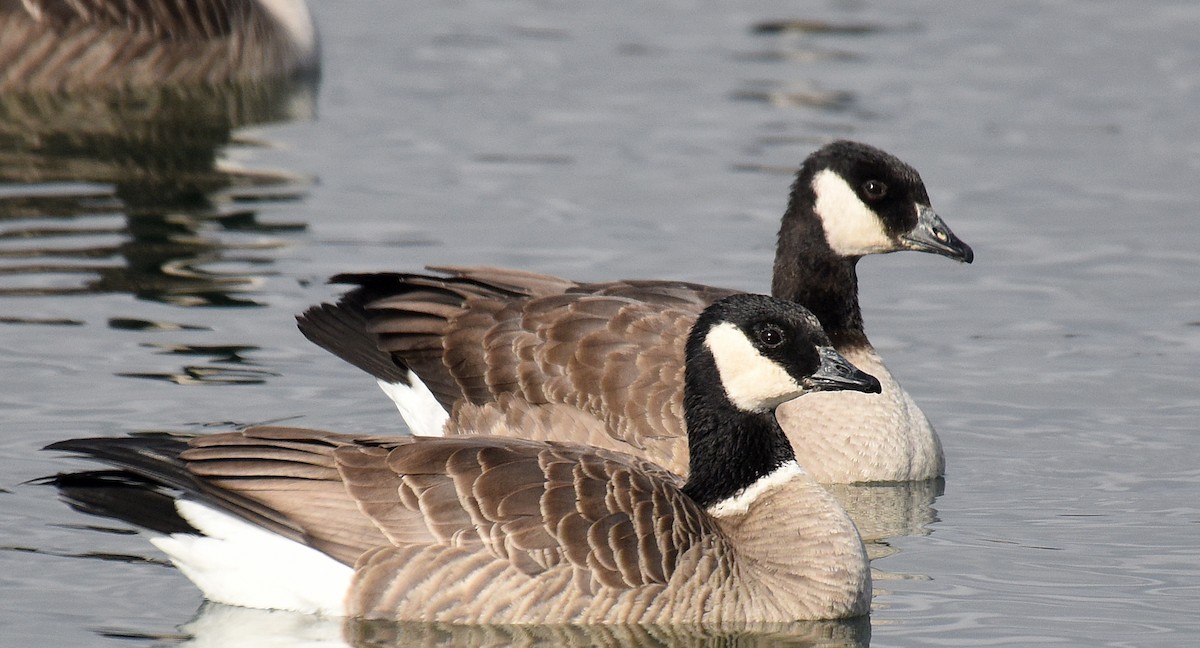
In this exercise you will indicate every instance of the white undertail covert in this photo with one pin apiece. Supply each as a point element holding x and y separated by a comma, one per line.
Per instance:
<point>422,412</point>
<point>238,563</point>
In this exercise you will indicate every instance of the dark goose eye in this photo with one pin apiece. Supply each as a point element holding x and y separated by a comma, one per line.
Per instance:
<point>874,189</point>
<point>771,336</point>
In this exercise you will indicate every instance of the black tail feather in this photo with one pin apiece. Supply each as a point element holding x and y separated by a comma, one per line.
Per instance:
<point>150,472</point>
<point>123,496</point>
<point>342,330</point>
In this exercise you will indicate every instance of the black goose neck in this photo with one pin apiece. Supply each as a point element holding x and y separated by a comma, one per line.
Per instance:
<point>729,449</point>
<point>807,271</point>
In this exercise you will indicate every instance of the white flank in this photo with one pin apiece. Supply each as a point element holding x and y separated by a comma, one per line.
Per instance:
<point>294,17</point>
<point>752,382</point>
<point>740,503</point>
<point>238,563</point>
<point>851,227</point>
<point>422,412</point>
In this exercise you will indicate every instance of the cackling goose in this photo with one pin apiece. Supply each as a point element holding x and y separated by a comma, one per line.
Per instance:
<point>493,351</point>
<point>505,530</point>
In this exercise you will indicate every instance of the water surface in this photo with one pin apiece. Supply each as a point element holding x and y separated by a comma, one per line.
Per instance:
<point>154,249</point>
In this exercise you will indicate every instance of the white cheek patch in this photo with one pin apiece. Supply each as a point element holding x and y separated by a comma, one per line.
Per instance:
<point>753,383</point>
<point>740,503</point>
<point>851,227</point>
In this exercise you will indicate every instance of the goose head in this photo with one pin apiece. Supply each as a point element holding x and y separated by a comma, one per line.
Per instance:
<point>867,201</point>
<point>745,356</point>
<point>767,351</point>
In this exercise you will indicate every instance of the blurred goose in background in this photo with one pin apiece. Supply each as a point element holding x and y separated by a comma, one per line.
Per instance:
<point>503,530</point>
<point>55,44</point>
<point>507,352</point>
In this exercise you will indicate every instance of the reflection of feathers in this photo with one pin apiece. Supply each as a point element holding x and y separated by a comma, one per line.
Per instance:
<point>885,511</point>
<point>48,44</point>
<point>130,135</point>
<point>235,627</point>
<point>125,151</point>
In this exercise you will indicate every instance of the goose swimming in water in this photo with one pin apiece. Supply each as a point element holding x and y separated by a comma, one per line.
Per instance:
<point>473,529</point>
<point>506,352</point>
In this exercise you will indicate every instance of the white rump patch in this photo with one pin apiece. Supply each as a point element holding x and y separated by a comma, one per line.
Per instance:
<point>752,382</point>
<point>851,227</point>
<point>238,563</point>
<point>422,412</point>
<point>740,503</point>
<point>295,19</point>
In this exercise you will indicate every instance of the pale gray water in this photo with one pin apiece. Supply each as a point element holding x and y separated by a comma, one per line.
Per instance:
<point>1061,140</point>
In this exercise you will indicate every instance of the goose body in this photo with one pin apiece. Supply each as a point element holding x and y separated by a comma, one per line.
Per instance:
<point>507,352</point>
<point>505,530</point>
<point>52,45</point>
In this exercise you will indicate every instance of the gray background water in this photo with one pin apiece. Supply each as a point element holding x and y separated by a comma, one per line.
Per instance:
<point>1061,140</point>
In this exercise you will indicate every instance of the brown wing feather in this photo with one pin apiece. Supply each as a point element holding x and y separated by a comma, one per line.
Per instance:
<point>272,466</point>
<point>608,358</point>
<point>196,20</point>
<point>532,506</point>
<point>510,352</point>
<point>529,284</point>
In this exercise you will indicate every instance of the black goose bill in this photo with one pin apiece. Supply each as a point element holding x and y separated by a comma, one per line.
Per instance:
<point>931,234</point>
<point>837,374</point>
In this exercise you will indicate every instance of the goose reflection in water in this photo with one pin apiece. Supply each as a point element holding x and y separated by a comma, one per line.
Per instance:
<point>134,175</point>
<point>233,627</point>
<point>143,97</point>
<point>115,118</point>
